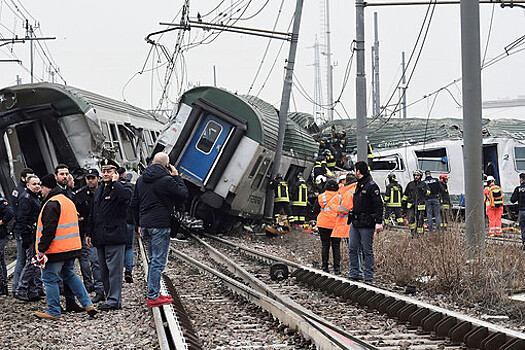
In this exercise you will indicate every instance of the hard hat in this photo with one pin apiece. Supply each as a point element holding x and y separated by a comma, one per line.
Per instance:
<point>342,177</point>
<point>392,176</point>
<point>443,177</point>
<point>279,176</point>
<point>490,178</point>
<point>320,179</point>
<point>327,151</point>
<point>342,134</point>
<point>331,185</point>
<point>417,172</point>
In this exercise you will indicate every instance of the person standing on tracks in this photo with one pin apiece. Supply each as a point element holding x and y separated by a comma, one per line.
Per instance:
<point>494,206</point>
<point>157,191</point>
<point>29,286</point>
<point>109,234</point>
<point>366,218</point>
<point>88,261</point>
<point>519,196</point>
<point>58,240</point>
<point>414,200</point>
<point>281,200</point>
<point>130,224</point>
<point>393,203</point>
<point>20,251</point>
<point>445,201</point>
<point>299,197</point>
<point>432,204</point>
<point>6,214</point>
<point>326,210</point>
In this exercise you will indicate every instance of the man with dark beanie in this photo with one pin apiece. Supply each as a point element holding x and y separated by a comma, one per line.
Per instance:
<point>366,218</point>
<point>58,240</point>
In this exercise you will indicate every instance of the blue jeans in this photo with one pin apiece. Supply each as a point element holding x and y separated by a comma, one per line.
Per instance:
<point>20,260</point>
<point>51,278</point>
<point>432,206</point>
<point>128,259</point>
<point>158,243</point>
<point>522,225</point>
<point>29,282</point>
<point>361,238</point>
<point>90,268</point>
<point>3,268</point>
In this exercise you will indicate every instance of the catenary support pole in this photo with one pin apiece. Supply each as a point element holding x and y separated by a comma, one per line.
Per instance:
<point>472,137</point>
<point>360,81</point>
<point>403,87</point>
<point>285,103</point>
<point>329,67</point>
<point>377,97</point>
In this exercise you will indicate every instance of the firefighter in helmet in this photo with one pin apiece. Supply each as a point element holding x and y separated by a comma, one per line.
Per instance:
<point>393,200</point>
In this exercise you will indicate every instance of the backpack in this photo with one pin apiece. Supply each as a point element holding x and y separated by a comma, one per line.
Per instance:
<point>497,196</point>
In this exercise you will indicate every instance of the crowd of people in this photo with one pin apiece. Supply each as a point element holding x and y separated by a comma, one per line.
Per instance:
<point>54,225</point>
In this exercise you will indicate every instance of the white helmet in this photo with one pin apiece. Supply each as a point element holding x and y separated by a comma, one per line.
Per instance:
<point>320,179</point>
<point>490,178</point>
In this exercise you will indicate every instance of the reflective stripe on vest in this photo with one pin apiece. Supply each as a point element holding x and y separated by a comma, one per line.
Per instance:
<point>282,192</point>
<point>67,237</point>
<point>302,195</point>
<point>393,198</point>
<point>329,201</point>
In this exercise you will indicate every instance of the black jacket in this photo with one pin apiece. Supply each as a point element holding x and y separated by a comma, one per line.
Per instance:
<point>445,196</point>
<point>50,215</point>
<point>150,210</point>
<point>416,192</point>
<point>434,187</point>
<point>15,196</point>
<point>83,200</point>
<point>368,205</point>
<point>519,196</point>
<point>109,214</point>
<point>6,214</point>
<point>28,211</point>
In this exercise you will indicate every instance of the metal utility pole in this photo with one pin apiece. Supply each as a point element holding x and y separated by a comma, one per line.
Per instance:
<point>403,88</point>
<point>360,81</point>
<point>214,77</point>
<point>318,111</point>
<point>285,103</point>
<point>329,67</point>
<point>472,137</point>
<point>377,95</point>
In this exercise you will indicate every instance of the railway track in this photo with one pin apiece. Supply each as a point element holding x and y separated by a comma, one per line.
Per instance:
<point>419,326</point>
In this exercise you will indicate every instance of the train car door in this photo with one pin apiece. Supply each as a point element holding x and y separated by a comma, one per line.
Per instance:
<point>490,162</point>
<point>204,147</point>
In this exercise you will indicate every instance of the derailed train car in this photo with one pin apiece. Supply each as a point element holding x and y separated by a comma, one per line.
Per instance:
<point>45,124</point>
<point>223,144</point>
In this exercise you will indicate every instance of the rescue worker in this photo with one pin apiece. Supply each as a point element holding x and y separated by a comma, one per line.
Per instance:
<point>58,240</point>
<point>326,208</point>
<point>445,201</point>
<point>281,200</point>
<point>393,203</point>
<point>299,197</point>
<point>432,204</point>
<point>320,172</point>
<point>414,200</point>
<point>339,145</point>
<point>519,196</point>
<point>494,206</point>
<point>330,159</point>
<point>366,219</point>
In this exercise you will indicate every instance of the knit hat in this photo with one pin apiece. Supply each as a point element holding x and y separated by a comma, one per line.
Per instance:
<point>49,181</point>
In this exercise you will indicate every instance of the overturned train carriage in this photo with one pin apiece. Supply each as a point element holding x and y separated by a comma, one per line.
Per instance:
<point>223,144</point>
<point>45,124</point>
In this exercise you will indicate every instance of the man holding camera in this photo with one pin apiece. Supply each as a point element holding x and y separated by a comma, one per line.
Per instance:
<point>157,191</point>
<point>366,218</point>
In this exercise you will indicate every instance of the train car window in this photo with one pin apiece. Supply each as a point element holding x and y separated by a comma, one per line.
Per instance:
<point>126,136</point>
<point>115,139</point>
<point>209,135</point>
<point>153,136</point>
<point>265,178</point>
<point>255,166</point>
<point>433,160</point>
<point>391,162</point>
<point>260,174</point>
<point>519,156</point>
<point>147,137</point>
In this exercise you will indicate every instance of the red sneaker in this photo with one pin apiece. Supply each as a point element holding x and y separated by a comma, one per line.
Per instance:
<point>161,300</point>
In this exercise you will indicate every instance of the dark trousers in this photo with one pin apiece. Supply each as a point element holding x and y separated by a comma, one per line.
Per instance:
<point>397,212</point>
<point>445,215</point>
<point>416,220</point>
<point>299,212</point>
<point>522,225</point>
<point>326,242</point>
<point>280,207</point>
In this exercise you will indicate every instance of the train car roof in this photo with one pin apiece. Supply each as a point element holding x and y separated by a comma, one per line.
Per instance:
<point>394,133</point>
<point>262,119</point>
<point>66,100</point>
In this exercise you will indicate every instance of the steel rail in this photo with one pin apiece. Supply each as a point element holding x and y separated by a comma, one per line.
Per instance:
<point>323,334</point>
<point>172,330</point>
<point>364,291</point>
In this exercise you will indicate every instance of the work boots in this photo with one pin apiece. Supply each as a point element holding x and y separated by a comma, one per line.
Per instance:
<point>99,296</point>
<point>3,290</point>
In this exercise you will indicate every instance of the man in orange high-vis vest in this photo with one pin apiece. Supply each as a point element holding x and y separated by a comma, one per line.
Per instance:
<point>326,207</point>
<point>494,205</point>
<point>58,238</point>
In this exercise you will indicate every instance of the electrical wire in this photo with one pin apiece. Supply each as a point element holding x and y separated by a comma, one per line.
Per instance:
<point>488,35</point>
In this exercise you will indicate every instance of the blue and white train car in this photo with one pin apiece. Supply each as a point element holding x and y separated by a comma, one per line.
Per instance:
<point>223,144</point>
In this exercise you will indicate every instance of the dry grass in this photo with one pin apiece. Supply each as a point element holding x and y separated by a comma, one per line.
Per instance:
<point>437,263</point>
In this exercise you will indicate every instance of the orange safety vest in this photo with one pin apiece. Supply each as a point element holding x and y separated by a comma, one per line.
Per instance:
<point>326,218</point>
<point>67,237</point>
<point>341,227</point>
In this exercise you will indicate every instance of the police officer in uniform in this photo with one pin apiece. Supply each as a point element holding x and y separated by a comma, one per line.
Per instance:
<point>88,260</point>
<point>366,218</point>
<point>393,196</point>
<point>281,198</point>
<point>519,196</point>
<point>299,197</point>
<point>414,199</point>
<point>109,234</point>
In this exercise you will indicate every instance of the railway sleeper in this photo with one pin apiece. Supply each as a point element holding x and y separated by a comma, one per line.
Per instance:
<point>374,301</point>
<point>331,287</point>
<point>385,304</point>
<point>395,307</point>
<point>327,282</point>
<point>429,322</point>
<point>474,337</point>
<point>416,318</point>
<point>457,333</point>
<point>494,341</point>
<point>363,298</point>
<point>404,314</point>
<point>319,280</point>
<point>443,327</point>
<point>354,296</point>
<point>515,344</point>
<point>339,290</point>
<point>347,292</point>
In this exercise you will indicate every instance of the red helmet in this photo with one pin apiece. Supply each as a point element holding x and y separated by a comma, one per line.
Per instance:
<point>443,177</point>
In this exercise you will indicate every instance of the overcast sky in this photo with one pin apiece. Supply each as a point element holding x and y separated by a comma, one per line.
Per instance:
<point>100,47</point>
